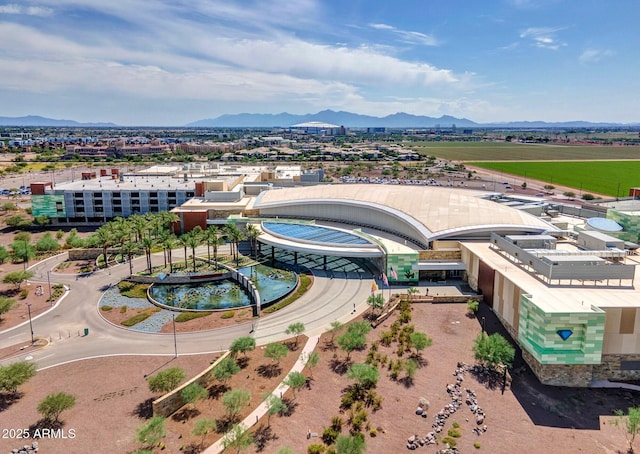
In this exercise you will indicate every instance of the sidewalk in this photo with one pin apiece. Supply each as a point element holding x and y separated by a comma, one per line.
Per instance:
<point>261,410</point>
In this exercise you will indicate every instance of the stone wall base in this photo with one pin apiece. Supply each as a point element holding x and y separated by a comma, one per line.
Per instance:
<point>576,375</point>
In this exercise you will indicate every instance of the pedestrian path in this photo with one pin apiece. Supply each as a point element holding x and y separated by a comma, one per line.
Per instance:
<point>261,410</point>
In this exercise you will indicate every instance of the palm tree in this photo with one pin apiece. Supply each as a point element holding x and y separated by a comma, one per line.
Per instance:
<point>103,237</point>
<point>235,235</point>
<point>252,233</point>
<point>170,243</point>
<point>193,241</point>
<point>209,235</point>
<point>129,249</point>
<point>138,224</point>
<point>184,242</point>
<point>169,218</point>
<point>147,244</point>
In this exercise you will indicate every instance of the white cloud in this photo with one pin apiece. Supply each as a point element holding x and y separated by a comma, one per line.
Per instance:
<point>543,37</point>
<point>12,8</point>
<point>594,55</point>
<point>409,37</point>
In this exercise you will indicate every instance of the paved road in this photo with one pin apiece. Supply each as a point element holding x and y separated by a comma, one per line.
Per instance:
<point>327,300</point>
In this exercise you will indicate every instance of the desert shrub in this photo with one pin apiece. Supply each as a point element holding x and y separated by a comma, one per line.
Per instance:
<point>476,445</point>
<point>450,441</point>
<point>136,319</point>
<point>123,309</point>
<point>227,314</point>
<point>455,425</point>
<point>472,307</point>
<point>315,448</point>
<point>337,422</point>
<point>24,293</point>
<point>186,316</point>
<point>373,433</point>
<point>133,290</point>
<point>455,433</point>
<point>329,435</point>
<point>106,308</point>
<point>386,337</point>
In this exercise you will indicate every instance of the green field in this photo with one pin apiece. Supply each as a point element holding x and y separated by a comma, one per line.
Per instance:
<point>510,151</point>
<point>612,178</point>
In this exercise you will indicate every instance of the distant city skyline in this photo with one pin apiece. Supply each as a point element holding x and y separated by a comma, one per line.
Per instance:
<point>173,62</point>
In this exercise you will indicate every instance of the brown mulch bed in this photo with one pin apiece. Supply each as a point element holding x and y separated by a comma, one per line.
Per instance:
<point>527,416</point>
<point>113,400</point>
<point>558,419</point>
<point>20,312</point>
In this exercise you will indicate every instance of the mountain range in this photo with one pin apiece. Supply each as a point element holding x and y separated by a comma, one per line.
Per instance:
<point>34,120</point>
<point>340,118</point>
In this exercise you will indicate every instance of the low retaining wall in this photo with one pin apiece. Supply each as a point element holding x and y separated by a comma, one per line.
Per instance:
<point>172,401</point>
<point>180,278</point>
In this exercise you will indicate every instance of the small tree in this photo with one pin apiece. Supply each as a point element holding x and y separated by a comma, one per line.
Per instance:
<point>375,301</point>
<point>166,380</point>
<point>276,352</point>
<point>631,424</point>
<point>54,404</point>
<point>295,381</point>
<point>203,427</point>
<point>350,444</point>
<point>351,341</point>
<point>242,345</point>
<point>4,254</point>
<point>335,327</point>
<point>237,438</point>
<point>16,278</point>
<point>192,393</point>
<point>412,291</point>
<point>235,400</point>
<point>15,375</point>
<point>275,405</point>
<point>151,433</point>
<point>410,368</point>
<point>6,304</point>
<point>472,307</point>
<point>420,341</point>
<point>295,329</point>
<point>312,361</point>
<point>493,350</point>
<point>365,375</point>
<point>225,369</point>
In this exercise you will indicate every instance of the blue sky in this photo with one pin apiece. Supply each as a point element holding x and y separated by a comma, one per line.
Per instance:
<point>170,62</point>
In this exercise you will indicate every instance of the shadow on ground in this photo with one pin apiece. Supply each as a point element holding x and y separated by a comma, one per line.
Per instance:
<point>557,406</point>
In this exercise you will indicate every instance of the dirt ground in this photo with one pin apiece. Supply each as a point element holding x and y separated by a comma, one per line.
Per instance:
<point>528,417</point>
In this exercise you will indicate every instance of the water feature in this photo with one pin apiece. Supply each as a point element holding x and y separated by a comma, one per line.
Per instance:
<point>272,284</point>
<point>223,294</point>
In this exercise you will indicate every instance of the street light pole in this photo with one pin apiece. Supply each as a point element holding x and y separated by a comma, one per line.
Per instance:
<point>30,324</point>
<point>175,341</point>
<point>49,282</point>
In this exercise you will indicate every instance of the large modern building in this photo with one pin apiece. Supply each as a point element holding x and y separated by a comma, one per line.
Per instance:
<point>568,297</point>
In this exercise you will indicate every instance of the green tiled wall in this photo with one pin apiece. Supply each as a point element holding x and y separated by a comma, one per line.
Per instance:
<point>45,205</point>
<point>630,223</point>
<point>402,264</point>
<point>537,333</point>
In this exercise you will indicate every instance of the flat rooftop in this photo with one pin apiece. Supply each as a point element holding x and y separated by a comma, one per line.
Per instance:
<point>132,183</point>
<point>575,298</point>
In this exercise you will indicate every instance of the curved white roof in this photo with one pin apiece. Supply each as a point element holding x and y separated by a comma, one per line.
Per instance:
<point>434,212</point>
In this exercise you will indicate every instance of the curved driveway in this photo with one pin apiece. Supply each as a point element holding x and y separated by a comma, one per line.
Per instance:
<point>327,300</point>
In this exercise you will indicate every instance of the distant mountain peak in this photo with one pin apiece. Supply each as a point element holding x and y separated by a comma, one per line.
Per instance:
<point>342,118</point>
